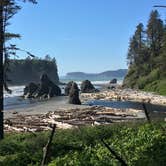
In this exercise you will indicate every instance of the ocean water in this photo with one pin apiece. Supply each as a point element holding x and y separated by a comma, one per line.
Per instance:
<point>14,101</point>
<point>127,104</point>
<point>94,82</point>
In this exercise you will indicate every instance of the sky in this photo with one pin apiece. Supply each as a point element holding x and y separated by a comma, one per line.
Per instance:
<point>83,35</point>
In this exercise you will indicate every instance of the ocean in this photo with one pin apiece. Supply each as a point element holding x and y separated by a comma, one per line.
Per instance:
<point>14,101</point>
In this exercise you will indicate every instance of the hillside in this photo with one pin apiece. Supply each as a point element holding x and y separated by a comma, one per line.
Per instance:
<point>23,71</point>
<point>147,57</point>
<point>104,75</point>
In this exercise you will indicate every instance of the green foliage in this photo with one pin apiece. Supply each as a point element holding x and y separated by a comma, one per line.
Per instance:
<point>144,80</point>
<point>147,56</point>
<point>157,86</point>
<point>138,144</point>
<point>29,70</point>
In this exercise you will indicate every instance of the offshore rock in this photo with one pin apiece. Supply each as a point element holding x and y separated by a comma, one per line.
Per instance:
<point>87,87</point>
<point>45,89</point>
<point>113,81</point>
<point>68,87</point>
<point>30,90</point>
<point>74,95</point>
<point>48,88</point>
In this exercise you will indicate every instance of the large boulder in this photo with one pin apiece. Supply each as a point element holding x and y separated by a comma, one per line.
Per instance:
<point>74,94</point>
<point>45,89</point>
<point>68,87</point>
<point>87,87</point>
<point>48,88</point>
<point>113,81</point>
<point>30,89</point>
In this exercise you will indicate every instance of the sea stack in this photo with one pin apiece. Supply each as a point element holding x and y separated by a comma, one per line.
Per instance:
<point>74,94</point>
<point>87,87</point>
<point>113,81</point>
<point>68,87</point>
<point>45,89</point>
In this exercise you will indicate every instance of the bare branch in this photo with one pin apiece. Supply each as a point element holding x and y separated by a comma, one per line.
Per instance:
<point>114,153</point>
<point>47,147</point>
<point>146,113</point>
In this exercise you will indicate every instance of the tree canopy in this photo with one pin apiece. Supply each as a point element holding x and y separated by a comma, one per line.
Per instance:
<point>8,8</point>
<point>147,56</point>
<point>24,71</point>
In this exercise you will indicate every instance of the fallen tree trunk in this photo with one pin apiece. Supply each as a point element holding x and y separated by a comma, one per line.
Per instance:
<point>46,149</point>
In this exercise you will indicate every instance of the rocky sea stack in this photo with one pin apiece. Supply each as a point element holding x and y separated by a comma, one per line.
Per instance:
<point>45,89</point>
<point>68,87</point>
<point>74,94</point>
<point>113,81</point>
<point>87,87</point>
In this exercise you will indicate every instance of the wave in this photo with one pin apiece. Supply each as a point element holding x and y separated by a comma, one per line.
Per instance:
<point>13,100</point>
<point>95,82</point>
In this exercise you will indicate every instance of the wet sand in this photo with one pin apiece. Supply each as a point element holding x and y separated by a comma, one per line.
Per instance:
<point>38,116</point>
<point>42,107</point>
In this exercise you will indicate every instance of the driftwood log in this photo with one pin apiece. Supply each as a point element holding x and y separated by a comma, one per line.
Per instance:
<point>146,113</point>
<point>46,149</point>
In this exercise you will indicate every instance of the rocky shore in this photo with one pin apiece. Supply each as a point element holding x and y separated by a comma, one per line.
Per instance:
<point>64,115</point>
<point>126,95</point>
<point>71,118</point>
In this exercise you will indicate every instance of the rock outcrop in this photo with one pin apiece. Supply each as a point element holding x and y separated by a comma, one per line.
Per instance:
<point>74,94</point>
<point>87,87</point>
<point>45,89</point>
<point>68,87</point>
<point>30,90</point>
<point>113,81</point>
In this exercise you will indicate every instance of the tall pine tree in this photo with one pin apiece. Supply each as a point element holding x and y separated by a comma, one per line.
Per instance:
<point>155,32</point>
<point>147,56</point>
<point>8,8</point>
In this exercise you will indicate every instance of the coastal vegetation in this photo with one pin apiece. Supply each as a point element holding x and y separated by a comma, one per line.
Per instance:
<point>136,143</point>
<point>84,144</point>
<point>8,8</point>
<point>147,56</point>
<point>24,71</point>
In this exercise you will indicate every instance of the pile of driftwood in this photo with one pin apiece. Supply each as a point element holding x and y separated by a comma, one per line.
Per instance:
<point>125,95</point>
<point>70,118</point>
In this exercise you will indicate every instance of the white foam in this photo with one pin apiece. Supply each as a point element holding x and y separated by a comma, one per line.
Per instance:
<point>16,91</point>
<point>100,82</point>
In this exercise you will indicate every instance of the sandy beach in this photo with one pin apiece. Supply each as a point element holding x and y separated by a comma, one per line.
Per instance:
<point>37,116</point>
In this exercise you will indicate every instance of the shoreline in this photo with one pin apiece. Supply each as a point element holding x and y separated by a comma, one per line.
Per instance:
<point>64,115</point>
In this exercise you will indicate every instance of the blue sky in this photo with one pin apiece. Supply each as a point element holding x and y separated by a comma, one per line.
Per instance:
<point>83,35</point>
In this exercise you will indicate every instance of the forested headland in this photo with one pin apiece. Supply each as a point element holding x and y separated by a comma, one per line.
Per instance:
<point>23,71</point>
<point>147,56</point>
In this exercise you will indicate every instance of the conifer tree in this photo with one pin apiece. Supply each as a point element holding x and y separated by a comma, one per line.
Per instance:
<point>147,56</point>
<point>136,45</point>
<point>8,8</point>
<point>155,32</point>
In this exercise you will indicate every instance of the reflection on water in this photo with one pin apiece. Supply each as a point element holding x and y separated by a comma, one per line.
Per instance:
<point>127,104</point>
<point>11,103</point>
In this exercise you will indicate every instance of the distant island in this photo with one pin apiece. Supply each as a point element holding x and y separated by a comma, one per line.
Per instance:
<point>120,73</point>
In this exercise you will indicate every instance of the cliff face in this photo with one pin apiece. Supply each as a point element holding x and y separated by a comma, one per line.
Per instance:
<point>29,70</point>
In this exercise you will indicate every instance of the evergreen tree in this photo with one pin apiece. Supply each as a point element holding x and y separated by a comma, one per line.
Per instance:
<point>147,56</point>
<point>8,8</point>
<point>137,46</point>
<point>155,32</point>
